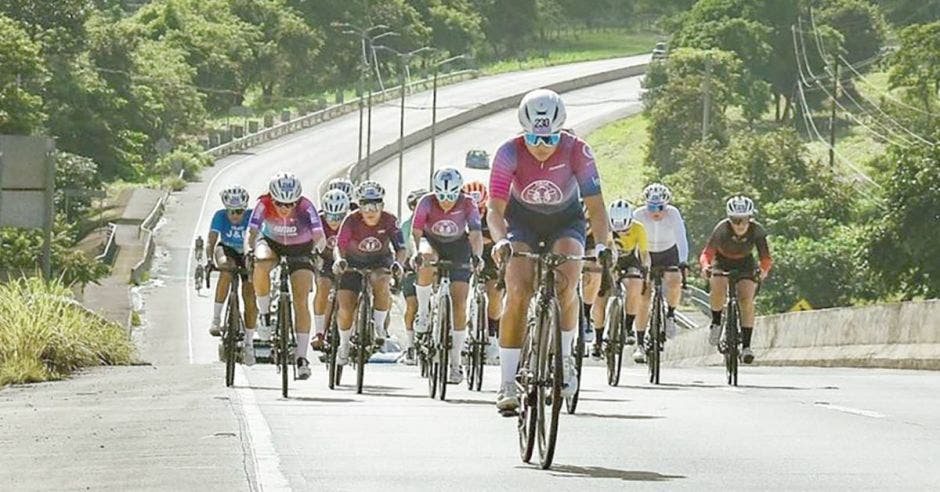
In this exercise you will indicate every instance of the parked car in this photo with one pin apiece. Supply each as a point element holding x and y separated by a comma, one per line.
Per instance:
<point>659,52</point>
<point>478,159</point>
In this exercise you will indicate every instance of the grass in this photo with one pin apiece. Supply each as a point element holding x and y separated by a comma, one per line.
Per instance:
<point>44,336</point>
<point>579,47</point>
<point>620,148</point>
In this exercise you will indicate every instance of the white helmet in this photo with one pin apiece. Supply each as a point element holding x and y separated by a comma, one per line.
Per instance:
<point>740,206</point>
<point>234,198</point>
<point>335,202</point>
<point>448,184</point>
<point>621,215</point>
<point>341,184</point>
<point>542,112</point>
<point>285,187</point>
<point>370,191</point>
<point>657,194</point>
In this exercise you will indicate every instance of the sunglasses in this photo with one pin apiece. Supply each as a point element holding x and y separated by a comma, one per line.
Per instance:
<point>740,220</point>
<point>335,217</point>
<point>447,196</point>
<point>656,208</point>
<point>284,205</point>
<point>236,211</point>
<point>371,206</point>
<point>546,140</point>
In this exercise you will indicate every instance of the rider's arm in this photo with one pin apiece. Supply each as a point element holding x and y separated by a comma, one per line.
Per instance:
<point>501,176</point>
<point>476,228</point>
<point>495,218</point>
<point>682,238</point>
<point>707,257</point>
<point>598,218</point>
<point>418,220</point>
<point>254,226</point>
<point>643,245</point>
<point>589,184</point>
<point>211,241</point>
<point>343,237</point>
<point>316,227</point>
<point>763,250</point>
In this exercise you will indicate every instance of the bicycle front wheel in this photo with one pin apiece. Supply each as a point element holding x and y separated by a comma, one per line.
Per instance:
<point>283,338</point>
<point>363,332</point>
<point>731,345</point>
<point>445,326</point>
<point>655,339</point>
<point>614,350</point>
<point>528,400</point>
<point>550,378</point>
<point>232,329</point>
<point>335,371</point>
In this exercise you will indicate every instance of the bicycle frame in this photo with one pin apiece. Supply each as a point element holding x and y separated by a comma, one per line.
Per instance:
<point>729,345</point>
<point>362,345</point>
<point>656,334</point>
<point>479,331</point>
<point>442,324</point>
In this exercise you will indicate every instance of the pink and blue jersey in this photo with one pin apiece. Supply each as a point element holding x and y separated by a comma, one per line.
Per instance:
<point>300,227</point>
<point>545,187</point>
<point>449,226</point>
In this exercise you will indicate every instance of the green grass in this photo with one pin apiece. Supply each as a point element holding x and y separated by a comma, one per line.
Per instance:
<point>44,337</point>
<point>620,148</point>
<point>579,47</point>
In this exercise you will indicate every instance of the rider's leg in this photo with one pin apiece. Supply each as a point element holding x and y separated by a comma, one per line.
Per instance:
<point>300,282</point>
<point>423,291</point>
<point>591,286</point>
<point>494,307</point>
<point>346,299</point>
<point>746,291</point>
<point>634,290</point>
<point>411,310</point>
<point>265,259</point>
<point>717,294</point>
<point>251,312</point>
<point>520,274</point>
<point>321,302</point>
<point>221,291</point>
<point>599,317</point>
<point>672,281</point>
<point>567,289</point>
<point>459,292</point>
<point>382,300</point>
<point>643,315</point>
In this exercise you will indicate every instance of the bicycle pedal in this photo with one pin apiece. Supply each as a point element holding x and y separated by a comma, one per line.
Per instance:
<point>508,413</point>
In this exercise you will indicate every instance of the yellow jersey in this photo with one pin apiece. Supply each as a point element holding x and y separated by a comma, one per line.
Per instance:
<point>633,240</point>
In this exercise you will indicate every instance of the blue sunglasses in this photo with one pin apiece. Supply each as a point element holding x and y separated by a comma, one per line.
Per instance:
<point>547,140</point>
<point>656,208</point>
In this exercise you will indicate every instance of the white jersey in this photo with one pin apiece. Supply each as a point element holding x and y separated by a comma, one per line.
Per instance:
<point>665,233</point>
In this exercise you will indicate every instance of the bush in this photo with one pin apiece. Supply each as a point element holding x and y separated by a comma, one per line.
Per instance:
<point>21,255</point>
<point>44,335</point>
<point>188,159</point>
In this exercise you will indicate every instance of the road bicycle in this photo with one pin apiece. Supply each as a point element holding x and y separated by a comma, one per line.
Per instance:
<point>442,326</point>
<point>729,346</point>
<point>233,325</point>
<point>479,338</point>
<point>362,343</point>
<point>616,330</point>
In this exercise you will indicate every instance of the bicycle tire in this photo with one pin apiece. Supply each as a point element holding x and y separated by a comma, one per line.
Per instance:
<point>283,320</point>
<point>614,350</point>
<point>335,371</point>
<point>655,339</point>
<point>528,417</point>
<point>552,372</point>
<point>233,325</point>
<point>446,326</point>
<point>362,331</point>
<point>480,343</point>
<point>571,404</point>
<point>731,345</point>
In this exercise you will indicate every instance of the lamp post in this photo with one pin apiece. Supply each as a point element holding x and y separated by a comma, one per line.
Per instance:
<point>434,109</point>
<point>403,59</point>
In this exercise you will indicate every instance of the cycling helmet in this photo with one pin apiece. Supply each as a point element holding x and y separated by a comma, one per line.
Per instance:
<point>621,215</point>
<point>285,187</point>
<point>335,202</point>
<point>341,184</point>
<point>447,184</point>
<point>542,112</point>
<point>414,196</point>
<point>657,194</point>
<point>370,191</point>
<point>234,198</point>
<point>479,194</point>
<point>740,206</point>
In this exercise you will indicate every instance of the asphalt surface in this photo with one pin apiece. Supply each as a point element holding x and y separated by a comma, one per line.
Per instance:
<point>174,426</point>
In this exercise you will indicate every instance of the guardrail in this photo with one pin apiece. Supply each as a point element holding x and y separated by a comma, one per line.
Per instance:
<point>147,227</point>
<point>311,119</point>
<point>110,246</point>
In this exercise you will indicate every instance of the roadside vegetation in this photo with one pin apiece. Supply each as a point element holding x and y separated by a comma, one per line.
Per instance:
<point>45,336</point>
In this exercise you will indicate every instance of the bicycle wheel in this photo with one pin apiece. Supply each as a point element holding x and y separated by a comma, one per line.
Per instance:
<point>655,341</point>
<point>571,404</point>
<point>479,344</point>
<point>335,371</point>
<point>363,327</point>
<point>528,386</point>
<point>550,378</point>
<point>446,323</point>
<point>614,350</point>
<point>232,328</point>
<point>731,345</point>
<point>283,328</point>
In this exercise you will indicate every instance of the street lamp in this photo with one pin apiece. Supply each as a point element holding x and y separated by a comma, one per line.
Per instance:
<point>403,59</point>
<point>437,66</point>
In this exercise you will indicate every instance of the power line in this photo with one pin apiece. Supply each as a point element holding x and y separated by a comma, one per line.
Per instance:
<point>888,96</point>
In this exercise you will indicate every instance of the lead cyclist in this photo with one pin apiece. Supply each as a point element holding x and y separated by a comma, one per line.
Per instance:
<point>535,185</point>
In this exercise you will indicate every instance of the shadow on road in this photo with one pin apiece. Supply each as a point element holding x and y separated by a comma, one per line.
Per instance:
<point>323,400</point>
<point>661,387</point>
<point>617,416</point>
<point>606,400</point>
<point>601,472</point>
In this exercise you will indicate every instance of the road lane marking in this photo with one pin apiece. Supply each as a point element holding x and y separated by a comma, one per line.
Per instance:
<point>850,410</point>
<point>266,463</point>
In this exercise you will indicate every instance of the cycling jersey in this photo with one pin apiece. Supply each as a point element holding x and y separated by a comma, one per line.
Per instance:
<point>330,234</point>
<point>633,240</point>
<point>544,187</point>
<point>300,227</point>
<point>361,243</point>
<point>449,226</point>
<point>665,234</point>
<point>230,235</point>
<point>725,244</point>
<point>406,236</point>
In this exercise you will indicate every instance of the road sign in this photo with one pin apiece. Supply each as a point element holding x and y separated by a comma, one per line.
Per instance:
<point>801,305</point>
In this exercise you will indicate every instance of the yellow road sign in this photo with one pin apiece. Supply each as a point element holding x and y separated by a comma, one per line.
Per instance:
<point>801,305</point>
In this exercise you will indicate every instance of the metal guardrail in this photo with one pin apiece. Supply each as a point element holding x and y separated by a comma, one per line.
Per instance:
<point>110,247</point>
<point>329,113</point>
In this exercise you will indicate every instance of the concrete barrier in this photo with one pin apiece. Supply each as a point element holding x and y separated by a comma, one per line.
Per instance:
<point>898,335</point>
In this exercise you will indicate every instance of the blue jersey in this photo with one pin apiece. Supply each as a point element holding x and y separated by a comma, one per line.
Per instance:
<point>231,235</point>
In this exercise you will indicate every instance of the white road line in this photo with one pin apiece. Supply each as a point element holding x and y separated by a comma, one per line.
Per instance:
<point>850,410</point>
<point>266,463</point>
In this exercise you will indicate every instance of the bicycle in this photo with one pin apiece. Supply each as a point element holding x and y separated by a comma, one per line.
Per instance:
<point>584,318</point>
<point>442,325</point>
<point>616,332</point>
<point>200,275</point>
<point>656,336</point>
<point>479,338</point>
<point>731,327</point>
<point>362,343</point>
<point>334,371</point>
<point>233,328</point>
<point>541,368</point>
<point>283,340</point>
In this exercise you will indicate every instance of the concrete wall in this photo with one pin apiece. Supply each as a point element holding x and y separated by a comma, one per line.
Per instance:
<point>899,335</point>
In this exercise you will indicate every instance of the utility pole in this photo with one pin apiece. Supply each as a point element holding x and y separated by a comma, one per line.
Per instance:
<point>832,115</point>
<point>369,136</point>
<point>707,99</point>
<point>434,111</point>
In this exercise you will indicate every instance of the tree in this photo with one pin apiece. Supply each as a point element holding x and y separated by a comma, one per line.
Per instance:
<point>906,12</point>
<point>916,65</point>
<point>508,23</point>
<point>861,25</point>
<point>21,80</point>
<point>76,173</point>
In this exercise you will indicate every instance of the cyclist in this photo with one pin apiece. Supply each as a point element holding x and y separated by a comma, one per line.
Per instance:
<point>669,249</point>
<point>225,247</point>
<point>730,248</point>
<point>289,226</point>
<point>367,239</point>
<point>347,187</point>
<point>408,281</point>
<point>335,207</point>
<point>450,223</point>
<point>590,285</point>
<point>633,259</point>
<point>535,184</point>
<point>494,293</point>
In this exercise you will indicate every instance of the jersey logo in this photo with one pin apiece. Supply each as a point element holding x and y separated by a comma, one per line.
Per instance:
<point>284,230</point>
<point>445,228</point>
<point>542,192</point>
<point>331,242</point>
<point>554,168</point>
<point>370,245</point>
<point>586,150</point>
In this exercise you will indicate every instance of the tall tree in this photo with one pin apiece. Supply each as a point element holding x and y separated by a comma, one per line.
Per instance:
<point>21,80</point>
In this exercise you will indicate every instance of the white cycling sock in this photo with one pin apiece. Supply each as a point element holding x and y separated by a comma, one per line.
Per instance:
<point>344,336</point>
<point>249,338</point>
<point>409,339</point>
<point>458,338</point>
<point>378,317</point>
<point>567,341</point>
<point>509,363</point>
<point>217,311</point>
<point>264,304</point>
<point>303,343</point>
<point>319,323</point>
<point>423,293</point>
